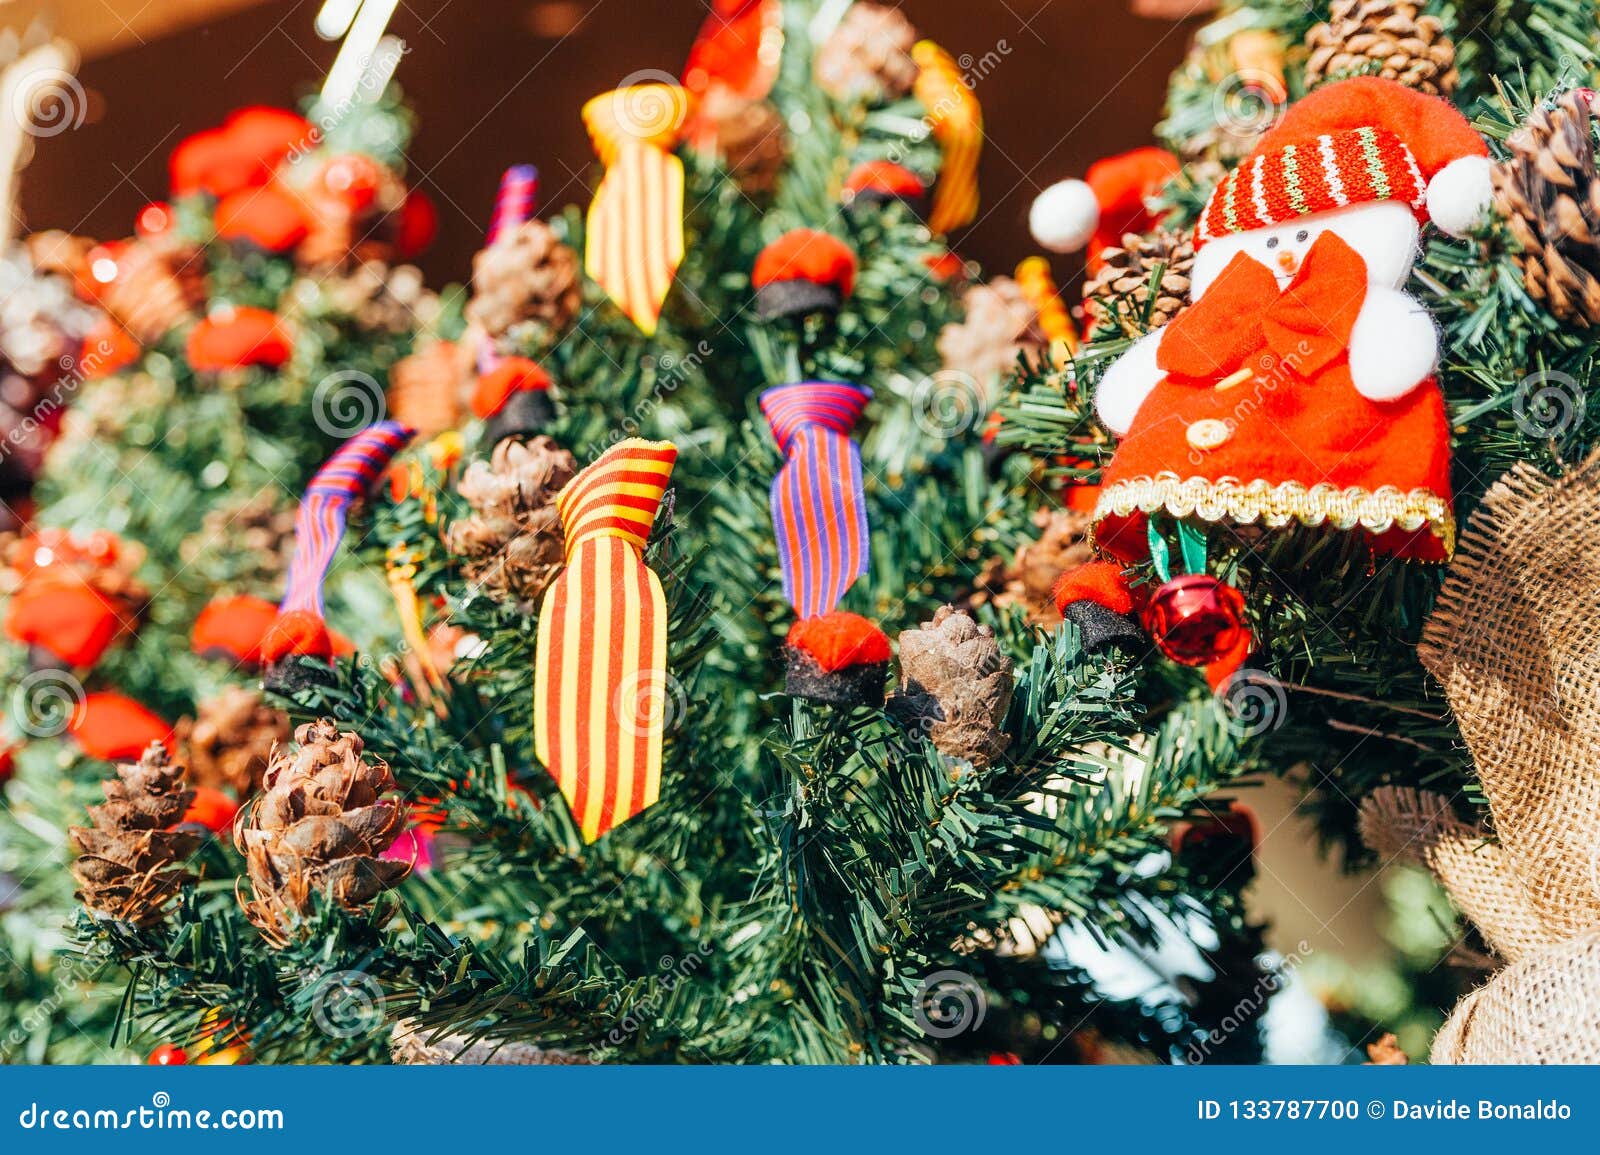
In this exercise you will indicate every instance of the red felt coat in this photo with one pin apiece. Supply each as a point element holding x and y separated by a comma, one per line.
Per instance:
<point>1287,437</point>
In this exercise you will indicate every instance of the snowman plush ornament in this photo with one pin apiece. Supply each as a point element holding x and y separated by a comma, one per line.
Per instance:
<point>1298,386</point>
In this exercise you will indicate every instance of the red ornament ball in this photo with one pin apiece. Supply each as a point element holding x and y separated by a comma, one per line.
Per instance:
<point>166,1055</point>
<point>1195,619</point>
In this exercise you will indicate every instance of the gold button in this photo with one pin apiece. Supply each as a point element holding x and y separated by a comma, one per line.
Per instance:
<point>1209,434</point>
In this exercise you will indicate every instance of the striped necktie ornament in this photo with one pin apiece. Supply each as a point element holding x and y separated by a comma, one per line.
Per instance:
<point>319,526</point>
<point>957,122</point>
<point>819,510</point>
<point>600,682</point>
<point>514,203</point>
<point>633,243</point>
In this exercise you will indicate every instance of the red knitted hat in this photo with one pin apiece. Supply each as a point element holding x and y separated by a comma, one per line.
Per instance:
<point>1359,140</point>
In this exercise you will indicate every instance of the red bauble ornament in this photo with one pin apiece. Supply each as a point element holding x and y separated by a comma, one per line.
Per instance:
<point>1195,619</point>
<point>166,1055</point>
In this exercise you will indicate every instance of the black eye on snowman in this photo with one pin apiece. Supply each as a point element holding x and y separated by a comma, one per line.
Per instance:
<point>1302,235</point>
<point>1272,242</point>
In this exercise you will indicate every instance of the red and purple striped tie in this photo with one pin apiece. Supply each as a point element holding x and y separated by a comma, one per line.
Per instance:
<point>819,511</point>
<point>352,471</point>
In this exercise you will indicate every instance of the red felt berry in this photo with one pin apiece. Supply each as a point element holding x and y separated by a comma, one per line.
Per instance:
<point>166,1055</point>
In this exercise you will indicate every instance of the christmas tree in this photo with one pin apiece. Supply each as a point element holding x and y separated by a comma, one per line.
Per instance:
<point>622,782</point>
<point>248,327</point>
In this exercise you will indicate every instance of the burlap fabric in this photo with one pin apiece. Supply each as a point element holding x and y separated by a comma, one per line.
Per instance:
<point>1515,641</point>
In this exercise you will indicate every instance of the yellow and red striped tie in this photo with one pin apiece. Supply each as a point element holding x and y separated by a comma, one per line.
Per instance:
<point>634,240</point>
<point>600,682</point>
<point>957,124</point>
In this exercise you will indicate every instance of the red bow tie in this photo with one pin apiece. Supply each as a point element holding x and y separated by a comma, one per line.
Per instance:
<point>1307,325</point>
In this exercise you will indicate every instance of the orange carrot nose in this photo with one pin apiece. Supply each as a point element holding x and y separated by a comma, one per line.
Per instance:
<point>1288,261</point>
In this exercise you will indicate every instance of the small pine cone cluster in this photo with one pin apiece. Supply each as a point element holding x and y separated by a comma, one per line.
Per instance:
<point>382,298</point>
<point>525,286</point>
<point>513,543</point>
<point>319,829</point>
<point>1548,193</point>
<point>1030,579</point>
<point>956,685</point>
<point>159,286</point>
<point>868,56</point>
<point>425,389</point>
<point>131,860</point>
<point>751,139</point>
<point>1142,285</point>
<point>246,543</point>
<point>999,323</point>
<point>1388,38</point>
<point>230,739</point>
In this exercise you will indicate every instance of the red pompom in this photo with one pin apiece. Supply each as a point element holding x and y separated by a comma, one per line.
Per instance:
<point>234,627</point>
<point>885,178</point>
<point>419,225</point>
<point>238,338</point>
<point>1099,582</point>
<point>806,255</point>
<point>839,640</point>
<point>241,154</point>
<point>66,618</point>
<point>107,349</point>
<point>154,220</point>
<point>512,375</point>
<point>166,1055</point>
<point>352,180</point>
<point>298,632</point>
<point>266,217</point>
<point>1196,619</point>
<point>946,266</point>
<point>212,809</point>
<point>114,727</point>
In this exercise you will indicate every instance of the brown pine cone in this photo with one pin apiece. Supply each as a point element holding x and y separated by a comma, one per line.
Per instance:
<point>230,740</point>
<point>956,685</point>
<point>751,138</point>
<point>1388,38</point>
<point>1549,196</point>
<point>412,1045</point>
<point>999,323</point>
<point>1030,580</point>
<point>525,286</point>
<point>382,298</point>
<point>319,829</point>
<point>158,287</point>
<point>514,544</point>
<point>131,861</point>
<point>868,56</point>
<point>425,389</point>
<point>1142,285</point>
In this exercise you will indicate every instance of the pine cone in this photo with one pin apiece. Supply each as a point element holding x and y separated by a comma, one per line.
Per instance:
<point>246,543</point>
<point>411,1045</point>
<point>319,829</point>
<point>514,544</point>
<point>158,287</point>
<point>1120,295</point>
<point>1388,38</point>
<point>955,683</point>
<point>1030,580</point>
<point>999,323</point>
<point>425,389</point>
<point>1549,196</point>
<point>131,861</point>
<point>229,740</point>
<point>382,298</point>
<point>525,286</point>
<point>868,56</point>
<point>751,138</point>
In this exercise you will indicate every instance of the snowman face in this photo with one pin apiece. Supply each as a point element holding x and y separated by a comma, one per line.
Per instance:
<point>1383,233</point>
